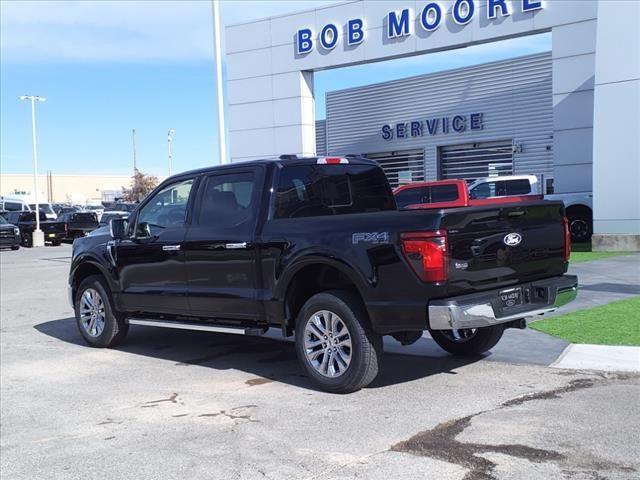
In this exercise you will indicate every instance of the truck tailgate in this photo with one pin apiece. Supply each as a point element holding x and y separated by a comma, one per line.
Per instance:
<point>497,246</point>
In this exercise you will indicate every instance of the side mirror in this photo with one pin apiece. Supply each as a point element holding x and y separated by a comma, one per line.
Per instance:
<point>118,228</point>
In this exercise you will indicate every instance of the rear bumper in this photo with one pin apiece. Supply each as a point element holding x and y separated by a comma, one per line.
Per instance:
<point>484,309</point>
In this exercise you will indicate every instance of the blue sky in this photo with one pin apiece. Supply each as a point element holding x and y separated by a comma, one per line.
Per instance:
<point>109,66</point>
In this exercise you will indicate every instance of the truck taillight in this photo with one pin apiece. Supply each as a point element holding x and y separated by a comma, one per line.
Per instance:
<point>567,239</point>
<point>427,254</point>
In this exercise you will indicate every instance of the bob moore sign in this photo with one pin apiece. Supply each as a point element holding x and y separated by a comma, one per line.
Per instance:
<point>400,23</point>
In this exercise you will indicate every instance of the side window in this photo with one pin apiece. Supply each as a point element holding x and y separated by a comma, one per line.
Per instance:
<point>518,187</point>
<point>166,209</point>
<point>227,200</point>
<point>481,191</point>
<point>500,189</point>
<point>13,206</point>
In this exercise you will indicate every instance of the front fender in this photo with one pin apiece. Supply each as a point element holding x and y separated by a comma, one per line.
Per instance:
<point>95,262</point>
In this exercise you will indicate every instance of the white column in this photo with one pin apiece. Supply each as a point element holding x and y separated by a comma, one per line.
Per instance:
<point>616,141</point>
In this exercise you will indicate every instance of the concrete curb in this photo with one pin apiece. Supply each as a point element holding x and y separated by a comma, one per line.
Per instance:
<point>599,357</point>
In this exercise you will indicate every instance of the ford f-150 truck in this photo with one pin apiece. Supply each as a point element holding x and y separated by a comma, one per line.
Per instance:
<point>53,231</point>
<point>317,248</point>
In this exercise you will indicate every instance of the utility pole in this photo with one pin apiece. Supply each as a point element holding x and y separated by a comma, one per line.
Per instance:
<point>169,142</point>
<point>217,47</point>
<point>133,144</point>
<point>37,236</point>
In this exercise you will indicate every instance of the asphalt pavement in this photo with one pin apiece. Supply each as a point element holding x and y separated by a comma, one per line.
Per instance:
<point>177,404</point>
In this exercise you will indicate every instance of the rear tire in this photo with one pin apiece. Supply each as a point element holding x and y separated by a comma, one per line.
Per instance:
<point>99,324</point>
<point>56,243</point>
<point>580,227</point>
<point>15,247</point>
<point>27,240</point>
<point>477,341</point>
<point>347,358</point>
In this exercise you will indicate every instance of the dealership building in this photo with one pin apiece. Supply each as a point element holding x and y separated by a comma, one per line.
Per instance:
<point>570,116</point>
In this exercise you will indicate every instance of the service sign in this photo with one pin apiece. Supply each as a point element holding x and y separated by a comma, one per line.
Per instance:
<point>400,23</point>
<point>433,126</point>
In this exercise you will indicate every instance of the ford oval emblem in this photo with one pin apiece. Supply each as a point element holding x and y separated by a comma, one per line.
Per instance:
<point>512,239</point>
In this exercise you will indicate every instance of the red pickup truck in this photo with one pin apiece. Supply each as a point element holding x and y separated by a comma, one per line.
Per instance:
<point>447,194</point>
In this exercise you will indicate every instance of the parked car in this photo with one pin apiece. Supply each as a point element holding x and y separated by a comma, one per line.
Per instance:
<point>46,208</point>
<point>79,224</point>
<point>14,205</point>
<point>107,216</point>
<point>317,248</point>
<point>579,205</point>
<point>9,235</point>
<point>54,232</point>
<point>448,194</point>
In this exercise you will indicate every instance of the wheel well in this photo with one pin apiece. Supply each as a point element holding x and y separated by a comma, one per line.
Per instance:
<point>579,210</point>
<point>307,282</point>
<point>83,271</point>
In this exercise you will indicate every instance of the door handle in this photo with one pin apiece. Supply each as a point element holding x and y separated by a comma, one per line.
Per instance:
<point>170,248</point>
<point>235,246</point>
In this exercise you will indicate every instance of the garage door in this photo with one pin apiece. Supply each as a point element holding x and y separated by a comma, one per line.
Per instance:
<point>474,160</point>
<point>401,166</point>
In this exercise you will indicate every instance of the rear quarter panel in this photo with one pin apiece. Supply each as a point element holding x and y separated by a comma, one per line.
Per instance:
<point>364,246</point>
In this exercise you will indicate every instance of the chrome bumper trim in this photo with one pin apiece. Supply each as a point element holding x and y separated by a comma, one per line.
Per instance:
<point>455,313</point>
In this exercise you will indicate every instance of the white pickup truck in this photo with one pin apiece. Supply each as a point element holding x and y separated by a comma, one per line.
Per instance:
<point>579,205</point>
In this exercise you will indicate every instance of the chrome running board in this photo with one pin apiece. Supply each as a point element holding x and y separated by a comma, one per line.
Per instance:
<point>200,326</point>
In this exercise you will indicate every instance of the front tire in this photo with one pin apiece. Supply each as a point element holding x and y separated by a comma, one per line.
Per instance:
<point>27,240</point>
<point>99,324</point>
<point>335,343</point>
<point>15,247</point>
<point>468,342</point>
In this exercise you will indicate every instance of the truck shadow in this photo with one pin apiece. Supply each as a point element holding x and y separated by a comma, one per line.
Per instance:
<point>269,359</point>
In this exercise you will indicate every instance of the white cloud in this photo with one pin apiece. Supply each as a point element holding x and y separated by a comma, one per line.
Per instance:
<point>135,30</point>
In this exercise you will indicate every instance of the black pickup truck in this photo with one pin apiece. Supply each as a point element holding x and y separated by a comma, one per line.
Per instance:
<point>79,224</point>
<point>53,231</point>
<point>317,248</point>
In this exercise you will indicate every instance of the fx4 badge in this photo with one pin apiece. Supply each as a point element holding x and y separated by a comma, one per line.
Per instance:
<point>512,239</point>
<point>370,237</point>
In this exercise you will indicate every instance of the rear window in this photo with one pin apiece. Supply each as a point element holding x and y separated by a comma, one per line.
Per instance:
<point>444,193</point>
<point>426,194</point>
<point>320,190</point>
<point>412,196</point>
<point>84,217</point>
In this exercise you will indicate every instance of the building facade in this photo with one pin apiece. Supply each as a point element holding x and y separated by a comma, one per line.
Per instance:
<point>594,76</point>
<point>57,188</point>
<point>492,119</point>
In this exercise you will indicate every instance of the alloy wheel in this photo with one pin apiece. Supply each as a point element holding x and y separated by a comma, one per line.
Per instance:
<point>327,344</point>
<point>92,312</point>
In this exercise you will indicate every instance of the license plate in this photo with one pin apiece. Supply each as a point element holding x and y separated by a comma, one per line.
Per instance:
<point>511,297</point>
<point>51,235</point>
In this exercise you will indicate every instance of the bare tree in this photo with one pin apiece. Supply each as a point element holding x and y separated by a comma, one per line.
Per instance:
<point>141,186</point>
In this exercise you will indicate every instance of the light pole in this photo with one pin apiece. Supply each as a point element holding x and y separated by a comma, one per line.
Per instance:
<point>133,147</point>
<point>217,53</point>
<point>169,142</point>
<point>37,236</point>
